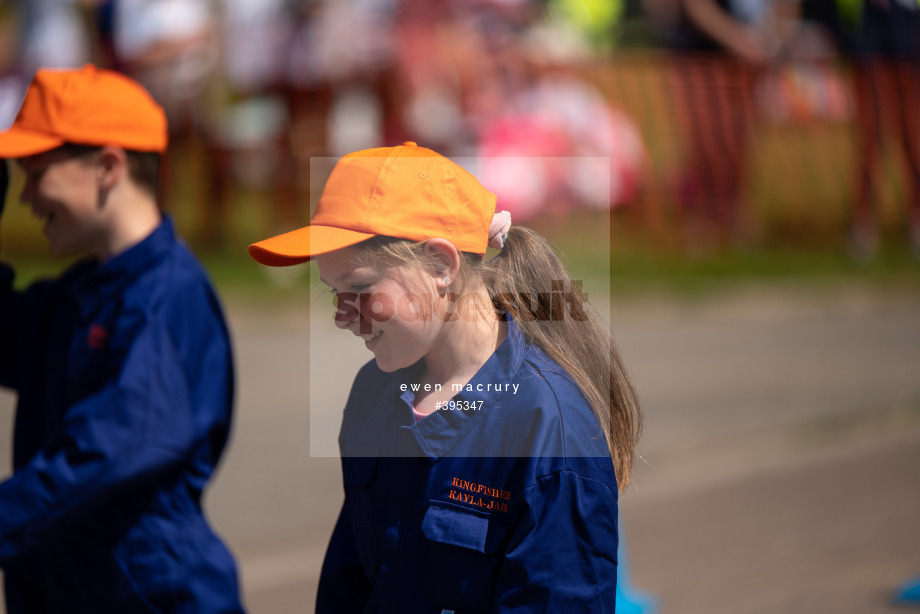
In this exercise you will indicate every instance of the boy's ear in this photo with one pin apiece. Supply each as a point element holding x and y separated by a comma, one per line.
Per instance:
<point>112,166</point>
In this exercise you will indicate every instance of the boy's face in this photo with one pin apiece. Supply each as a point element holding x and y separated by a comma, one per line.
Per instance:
<point>62,190</point>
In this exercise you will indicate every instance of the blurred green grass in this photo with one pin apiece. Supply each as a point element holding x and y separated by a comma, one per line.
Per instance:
<point>635,264</point>
<point>788,251</point>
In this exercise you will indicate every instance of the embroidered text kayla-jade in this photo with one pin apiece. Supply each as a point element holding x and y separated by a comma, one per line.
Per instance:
<point>462,387</point>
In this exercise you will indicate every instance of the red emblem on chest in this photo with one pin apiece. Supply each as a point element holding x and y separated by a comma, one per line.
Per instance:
<point>97,336</point>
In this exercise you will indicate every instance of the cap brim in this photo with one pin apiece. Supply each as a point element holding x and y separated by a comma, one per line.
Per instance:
<point>301,245</point>
<point>19,143</point>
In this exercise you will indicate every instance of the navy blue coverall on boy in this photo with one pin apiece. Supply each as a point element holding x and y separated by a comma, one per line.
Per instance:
<point>124,378</point>
<point>508,505</point>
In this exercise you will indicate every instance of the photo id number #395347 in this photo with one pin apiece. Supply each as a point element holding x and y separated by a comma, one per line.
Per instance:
<point>458,405</point>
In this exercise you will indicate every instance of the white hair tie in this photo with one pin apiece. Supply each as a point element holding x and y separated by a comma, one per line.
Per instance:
<point>498,229</point>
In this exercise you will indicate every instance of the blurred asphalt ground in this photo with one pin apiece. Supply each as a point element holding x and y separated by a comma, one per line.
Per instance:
<point>781,455</point>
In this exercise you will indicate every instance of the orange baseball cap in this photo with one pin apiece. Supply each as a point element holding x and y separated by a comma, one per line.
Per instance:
<point>408,192</point>
<point>86,106</point>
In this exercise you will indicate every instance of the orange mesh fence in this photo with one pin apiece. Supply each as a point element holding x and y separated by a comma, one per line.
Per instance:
<point>739,155</point>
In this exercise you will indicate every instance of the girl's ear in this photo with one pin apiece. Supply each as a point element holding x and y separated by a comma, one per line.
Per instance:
<point>448,260</point>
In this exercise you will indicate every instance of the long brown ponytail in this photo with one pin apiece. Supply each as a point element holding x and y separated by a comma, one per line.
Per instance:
<point>527,275</point>
<point>528,280</point>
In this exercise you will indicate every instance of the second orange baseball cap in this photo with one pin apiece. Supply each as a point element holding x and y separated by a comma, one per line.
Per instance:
<point>408,192</point>
<point>86,106</point>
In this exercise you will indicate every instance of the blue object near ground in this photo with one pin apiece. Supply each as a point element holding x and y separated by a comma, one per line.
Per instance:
<point>630,600</point>
<point>907,594</point>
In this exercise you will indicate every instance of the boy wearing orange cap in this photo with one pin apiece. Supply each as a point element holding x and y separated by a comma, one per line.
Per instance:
<point>122,367</point>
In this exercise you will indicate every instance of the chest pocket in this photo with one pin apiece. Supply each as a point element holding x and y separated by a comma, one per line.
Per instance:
<point>464,551</point>
<point>359,468</point>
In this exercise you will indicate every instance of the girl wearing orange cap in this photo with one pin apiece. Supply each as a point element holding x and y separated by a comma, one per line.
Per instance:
<point>484,446</point>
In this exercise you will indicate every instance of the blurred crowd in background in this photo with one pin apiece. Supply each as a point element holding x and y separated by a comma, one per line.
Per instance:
<point>720,122</point>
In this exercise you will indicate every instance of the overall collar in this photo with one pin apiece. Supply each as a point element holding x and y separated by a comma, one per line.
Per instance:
<point>97,283</point>
<point>441,431</point>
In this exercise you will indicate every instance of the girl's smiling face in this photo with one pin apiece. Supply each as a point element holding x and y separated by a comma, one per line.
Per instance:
<point>392,307</point>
